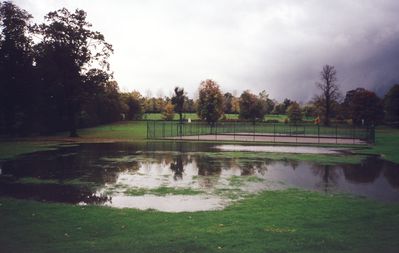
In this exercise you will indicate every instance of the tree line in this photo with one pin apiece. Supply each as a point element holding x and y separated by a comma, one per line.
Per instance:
<point>55,76</point>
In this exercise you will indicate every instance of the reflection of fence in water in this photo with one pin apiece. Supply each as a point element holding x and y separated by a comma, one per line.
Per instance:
<point>164,129</point>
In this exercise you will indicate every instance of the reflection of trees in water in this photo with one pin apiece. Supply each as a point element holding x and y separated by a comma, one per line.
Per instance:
<point>252,167</point>
<point>366,172</point>
<point>328,174</point>
<point>177,168</point>
<point>209,169</point>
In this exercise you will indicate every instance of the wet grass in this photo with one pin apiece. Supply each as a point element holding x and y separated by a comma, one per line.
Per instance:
<point>162,191</point>
<point>276,221</point>
<point>11,149</point>
<point>34,180</point>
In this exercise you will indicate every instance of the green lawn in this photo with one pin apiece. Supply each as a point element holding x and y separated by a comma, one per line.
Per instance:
<point>276,221</point>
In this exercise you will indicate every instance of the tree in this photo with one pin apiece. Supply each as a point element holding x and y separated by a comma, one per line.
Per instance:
<point>67,50</point>
<point>228,102</point>
<point>16,67</point>
<point>103,101</point>
<point>363,107</point>
<point>391,105</point>
<point>252,107</point>
<point>294,113</point>
<point>168,113</point>
<point>210,102</point>
<point>178,102</point>
<point>330,91</point>
<point>135,107</point>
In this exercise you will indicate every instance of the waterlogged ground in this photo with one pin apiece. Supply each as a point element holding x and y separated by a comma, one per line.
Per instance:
<point>178,177</point>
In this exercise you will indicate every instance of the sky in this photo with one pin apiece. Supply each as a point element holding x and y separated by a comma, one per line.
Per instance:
<point>276,46</point>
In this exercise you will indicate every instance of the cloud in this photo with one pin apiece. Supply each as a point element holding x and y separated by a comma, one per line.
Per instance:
<point>277,46</point>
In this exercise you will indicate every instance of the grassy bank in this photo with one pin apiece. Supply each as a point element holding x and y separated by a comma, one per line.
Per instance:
<point>387,144</point>
<point>10,149</point>
<point>281,221</point>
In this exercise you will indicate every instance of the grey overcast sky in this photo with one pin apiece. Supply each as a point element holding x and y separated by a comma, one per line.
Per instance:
<point>277,46</point>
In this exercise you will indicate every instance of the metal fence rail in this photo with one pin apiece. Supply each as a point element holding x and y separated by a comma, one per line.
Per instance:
<point>157,129</point>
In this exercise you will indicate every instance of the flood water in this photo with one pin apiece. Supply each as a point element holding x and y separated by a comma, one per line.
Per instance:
<point>178,177</point>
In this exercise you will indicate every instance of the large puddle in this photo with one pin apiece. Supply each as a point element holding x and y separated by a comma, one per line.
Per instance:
<point>177,177</point>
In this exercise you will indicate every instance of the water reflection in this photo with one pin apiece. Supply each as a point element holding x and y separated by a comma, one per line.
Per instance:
<point>104,173</point>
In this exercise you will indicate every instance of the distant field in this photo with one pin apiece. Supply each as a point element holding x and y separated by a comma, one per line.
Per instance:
<point>194,116</point>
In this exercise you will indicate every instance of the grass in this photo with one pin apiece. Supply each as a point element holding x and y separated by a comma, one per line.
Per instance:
<point>11,149</point>
<point>387,144</point>
<point>128,131</point>
<point>276,221</point>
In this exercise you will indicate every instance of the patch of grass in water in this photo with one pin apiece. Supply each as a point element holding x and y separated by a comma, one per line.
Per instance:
<point>324,159</point>
<point>242,180</point>
<point>162,191</point>
<point>35,180</point>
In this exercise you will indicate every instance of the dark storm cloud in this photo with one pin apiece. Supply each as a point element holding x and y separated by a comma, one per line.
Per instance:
<point>277,46</point>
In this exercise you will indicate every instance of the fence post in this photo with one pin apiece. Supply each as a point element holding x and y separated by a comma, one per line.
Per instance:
<point>372,133</point>
<point>147,128</point>
<point>234,130</point>
<point>216,130</point>
<point>354,133</point>
<point>318,133</point>
<point>254,130</point>
<point>336,133</point>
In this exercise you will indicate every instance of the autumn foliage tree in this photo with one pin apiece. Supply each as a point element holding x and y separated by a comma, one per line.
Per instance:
<point>294,113</point>
<point>210,102</point>
<point>363,107</point>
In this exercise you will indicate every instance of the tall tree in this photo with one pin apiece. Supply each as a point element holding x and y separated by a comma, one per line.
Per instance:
<point>210,102</point>
<point>178,101</point>
<point>16,68</point>
<point>228,102</point>
<point>330,91</point>
<point>391,105</point>
<point>68,49</point>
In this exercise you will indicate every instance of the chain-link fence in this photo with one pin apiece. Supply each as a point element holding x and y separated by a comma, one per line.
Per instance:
<point>175,129</point>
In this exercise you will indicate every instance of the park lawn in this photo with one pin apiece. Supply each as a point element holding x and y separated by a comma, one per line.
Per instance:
<point>273,221</point>
<point>126,130</point>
